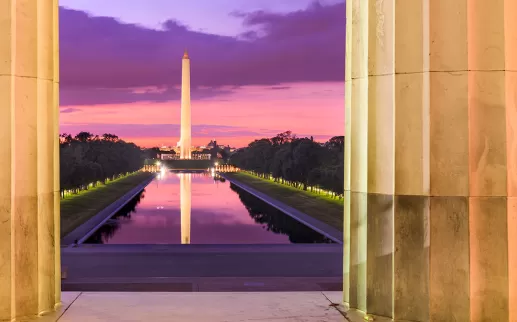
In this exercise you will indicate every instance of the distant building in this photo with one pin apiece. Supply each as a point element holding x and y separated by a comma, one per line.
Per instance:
<point>213,143</point>
<point>201,156</point>
<point>166,148</point>
<point>174,152</point>
<point>169,156</point>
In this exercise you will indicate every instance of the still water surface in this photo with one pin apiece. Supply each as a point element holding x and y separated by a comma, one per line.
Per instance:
<point>196,208</point>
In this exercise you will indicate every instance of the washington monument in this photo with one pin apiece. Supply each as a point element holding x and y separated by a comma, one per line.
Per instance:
<point>185,138</point>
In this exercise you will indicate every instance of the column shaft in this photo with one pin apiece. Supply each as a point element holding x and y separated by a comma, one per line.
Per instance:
<point>488,187</point>
<point>55,147</point>
<point>449,151</point>
<point>358,155</point>
<point>430,147</point>
<point>45,154</point>
<point>347,158</point>
<point>411,145</point>
<point>27,217</point>
<point>24,213</point>
<point>6,98</point>
<point>380,157</point>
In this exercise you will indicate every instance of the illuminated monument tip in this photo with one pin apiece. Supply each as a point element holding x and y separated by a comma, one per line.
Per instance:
<point>185,54</point>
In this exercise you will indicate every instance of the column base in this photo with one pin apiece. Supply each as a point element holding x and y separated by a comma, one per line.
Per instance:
<point>355,315</point>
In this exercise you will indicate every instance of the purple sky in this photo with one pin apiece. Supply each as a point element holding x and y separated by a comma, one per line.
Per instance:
<point>209,16</point>
<point>278,60</point>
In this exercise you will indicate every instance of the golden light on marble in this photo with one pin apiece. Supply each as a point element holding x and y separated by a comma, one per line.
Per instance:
<point>30,270</point>
<point>430,114</point>
<point>512,258</point>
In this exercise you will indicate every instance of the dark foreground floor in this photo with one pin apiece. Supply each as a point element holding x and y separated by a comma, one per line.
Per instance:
<point>200,268</point>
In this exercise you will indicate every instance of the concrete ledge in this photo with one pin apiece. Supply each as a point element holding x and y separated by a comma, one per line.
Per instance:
<point>205,261</point>
<point>321,227</point>
<point>202,248</point>
<point>85,230</point>
<point>205,306</point>
<point>205,284</point>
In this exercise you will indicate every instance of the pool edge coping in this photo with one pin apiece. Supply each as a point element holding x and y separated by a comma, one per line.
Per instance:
<point>68,240</point>
<point>315,224</point>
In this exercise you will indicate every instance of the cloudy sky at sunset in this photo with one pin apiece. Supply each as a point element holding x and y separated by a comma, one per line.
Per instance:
<point>258,67</point>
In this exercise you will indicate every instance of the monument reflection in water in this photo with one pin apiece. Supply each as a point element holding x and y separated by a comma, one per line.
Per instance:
<point>185,206</point>
<point>200,208</point>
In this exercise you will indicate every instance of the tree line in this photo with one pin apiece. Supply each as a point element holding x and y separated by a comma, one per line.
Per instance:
<point>299,162</point>
<point>87,160</point>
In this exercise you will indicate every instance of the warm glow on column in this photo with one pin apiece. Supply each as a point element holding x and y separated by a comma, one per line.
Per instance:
<point>510,46</point>
<point>24,207</point>
<point>348,103</point>
<point>55,126</point>
<point>512,258</point>
<point>358,113</point>
<point>511,148</point>
<point>45,156</point>
<point>488,112</point>
<point>359,98</point>
<point>7,104</point>
<point>185,206</point>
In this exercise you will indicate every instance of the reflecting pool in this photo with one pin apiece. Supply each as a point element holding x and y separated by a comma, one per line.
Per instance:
<point>200,208</point>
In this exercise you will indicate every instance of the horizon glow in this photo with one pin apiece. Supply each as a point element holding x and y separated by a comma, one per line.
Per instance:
<point>125,79</point>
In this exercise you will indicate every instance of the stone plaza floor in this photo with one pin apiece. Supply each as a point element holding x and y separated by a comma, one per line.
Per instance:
<point>199,307</point>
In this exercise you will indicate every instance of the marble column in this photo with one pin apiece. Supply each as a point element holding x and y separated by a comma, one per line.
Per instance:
<point>492,42</point>
<point>430,154</point>
<point>28,137</point>
<point>56,181</point>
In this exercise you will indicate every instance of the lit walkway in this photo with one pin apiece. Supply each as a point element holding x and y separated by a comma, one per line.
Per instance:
<point>203,307</point>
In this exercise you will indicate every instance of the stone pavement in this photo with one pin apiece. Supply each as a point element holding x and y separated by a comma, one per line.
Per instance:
<point>200,307</point>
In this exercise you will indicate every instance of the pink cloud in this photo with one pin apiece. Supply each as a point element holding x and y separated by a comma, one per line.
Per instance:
<point>125,79</point>
<point>248,113</point>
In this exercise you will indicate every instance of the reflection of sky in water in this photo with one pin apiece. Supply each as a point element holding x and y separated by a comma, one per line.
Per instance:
<point>217,216</point>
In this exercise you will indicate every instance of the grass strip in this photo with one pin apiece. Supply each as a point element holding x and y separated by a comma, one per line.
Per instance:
<point>77,209</point>
<point>319,206</point>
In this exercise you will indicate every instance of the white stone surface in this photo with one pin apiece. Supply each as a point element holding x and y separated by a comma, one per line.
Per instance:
<point>205,307</point>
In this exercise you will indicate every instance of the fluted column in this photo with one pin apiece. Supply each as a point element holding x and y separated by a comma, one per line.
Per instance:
<point>492,150</point>
<point>449,271</point>
<point>28,127</point>
<point>430,152</point>
<point>55,147</point>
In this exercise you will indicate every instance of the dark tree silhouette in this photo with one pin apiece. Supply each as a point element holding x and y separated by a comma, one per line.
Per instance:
<point>87,159</point>
<point>84,136</point>
<point>299,162</point>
